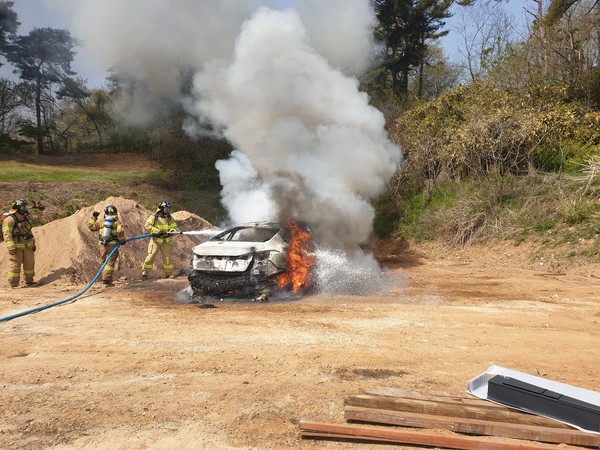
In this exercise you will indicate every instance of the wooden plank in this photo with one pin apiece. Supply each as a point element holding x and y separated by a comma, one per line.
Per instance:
<point>473,426</point>
<point>450,444</point>
<point>434,396</point>
<point>413,393</point>
<point>483,412</point>
<point>379,434</point>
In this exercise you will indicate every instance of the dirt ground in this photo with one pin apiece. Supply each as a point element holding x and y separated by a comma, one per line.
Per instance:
<point>135,367</point>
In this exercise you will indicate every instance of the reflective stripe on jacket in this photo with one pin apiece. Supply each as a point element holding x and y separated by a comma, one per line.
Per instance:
<point>16,231</point>
<point>157,223</point>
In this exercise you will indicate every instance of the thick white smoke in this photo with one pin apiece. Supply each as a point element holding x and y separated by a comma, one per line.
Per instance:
<point>245,195</point>
<point>316,147</point>
<point>280,83</point>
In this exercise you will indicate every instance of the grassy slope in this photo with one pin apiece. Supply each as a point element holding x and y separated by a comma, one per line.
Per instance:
<point>62,185</point>
<point>18,171</point>
<point>555,214</point>
<point>550,214</point>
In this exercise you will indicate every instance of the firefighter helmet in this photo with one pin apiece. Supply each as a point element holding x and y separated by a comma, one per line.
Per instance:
<point>164,204</point>
<point>18,203</point>
<point>20,206</point>
<point>110,210</point>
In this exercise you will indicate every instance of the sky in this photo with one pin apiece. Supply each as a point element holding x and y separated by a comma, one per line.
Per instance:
<point>46,13</point>
<point>476,27</point>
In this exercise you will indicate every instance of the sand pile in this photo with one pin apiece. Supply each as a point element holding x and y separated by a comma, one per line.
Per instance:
<point>67,251</point>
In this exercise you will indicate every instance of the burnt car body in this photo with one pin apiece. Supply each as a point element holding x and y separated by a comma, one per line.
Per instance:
<point>244,260</point>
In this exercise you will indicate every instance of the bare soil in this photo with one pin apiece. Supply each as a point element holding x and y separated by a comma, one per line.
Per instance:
<point>135,367</point>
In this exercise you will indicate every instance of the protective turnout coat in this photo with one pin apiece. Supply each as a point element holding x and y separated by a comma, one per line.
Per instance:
<point>156,224</point>
<point>117,236</point>
<point>20,243</point>
<point>117,233</point>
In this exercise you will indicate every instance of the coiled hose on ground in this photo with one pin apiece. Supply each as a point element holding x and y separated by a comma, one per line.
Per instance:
<point>73,297</point>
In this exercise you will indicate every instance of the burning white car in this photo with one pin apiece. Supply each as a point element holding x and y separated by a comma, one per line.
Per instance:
<point>253,260</point>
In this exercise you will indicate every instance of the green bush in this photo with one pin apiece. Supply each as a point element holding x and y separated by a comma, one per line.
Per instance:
<point>576,211</point>
<point>8,145</point>
<point>73,205</point>
<point>570,157</point>
<point>544,224</point>
<point>550,158</point>
<point>386,216</point>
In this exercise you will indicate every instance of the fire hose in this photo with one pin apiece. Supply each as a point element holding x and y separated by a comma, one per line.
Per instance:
<point>73,297</point>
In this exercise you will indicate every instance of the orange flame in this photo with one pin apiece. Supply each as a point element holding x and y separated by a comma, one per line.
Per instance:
<point>300,260</point>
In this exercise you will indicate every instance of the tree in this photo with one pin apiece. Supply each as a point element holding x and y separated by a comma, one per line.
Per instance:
<point>438,76</point>
<point>404,27</point>
<point>485,35</point>
<point>42,59</point>
<point>573,54</point>
<point>11,99</point>
<point>8,21</point>
<point>558,9</point>
<point>84,119</point>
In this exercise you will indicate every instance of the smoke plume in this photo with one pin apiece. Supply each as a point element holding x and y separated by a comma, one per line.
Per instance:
<point>279,82</point>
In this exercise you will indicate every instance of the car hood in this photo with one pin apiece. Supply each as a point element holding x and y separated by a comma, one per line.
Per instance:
<point>227,248</point>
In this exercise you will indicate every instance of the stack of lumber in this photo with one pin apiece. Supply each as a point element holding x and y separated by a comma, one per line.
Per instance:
<point>435,411</point>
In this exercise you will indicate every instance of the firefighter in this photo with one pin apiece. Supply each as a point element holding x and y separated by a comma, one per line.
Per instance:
<point>110,233</point>
<point>20,243</point>
<point>161,225</point>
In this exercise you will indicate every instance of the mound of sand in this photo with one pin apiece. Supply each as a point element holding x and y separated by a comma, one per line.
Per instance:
<point>67,251</point>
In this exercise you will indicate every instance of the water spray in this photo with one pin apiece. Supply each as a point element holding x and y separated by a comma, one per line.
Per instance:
<point>208,233</point>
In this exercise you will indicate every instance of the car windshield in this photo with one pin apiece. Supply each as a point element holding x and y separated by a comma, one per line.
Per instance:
<point>250,234</point>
